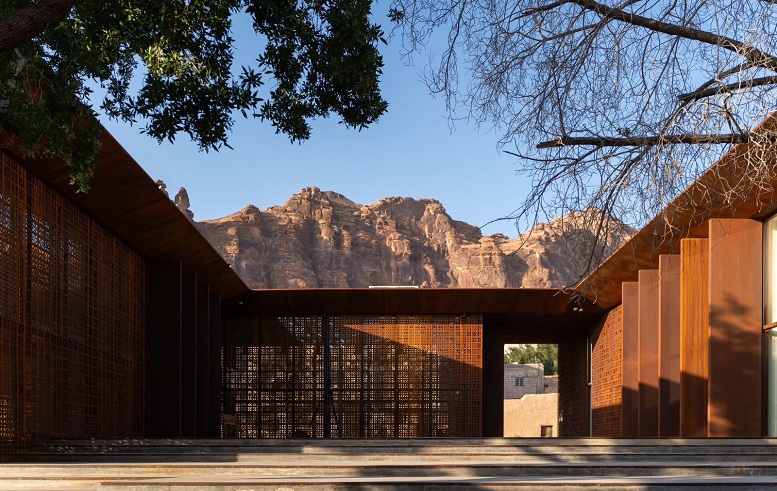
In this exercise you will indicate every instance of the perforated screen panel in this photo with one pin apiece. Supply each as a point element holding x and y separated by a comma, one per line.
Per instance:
<point>71,320</point>
<point>352,376</point>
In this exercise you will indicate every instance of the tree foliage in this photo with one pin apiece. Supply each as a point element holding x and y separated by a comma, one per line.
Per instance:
<point>547,354</point>
<point>169,64</point>
<point>611,105</point>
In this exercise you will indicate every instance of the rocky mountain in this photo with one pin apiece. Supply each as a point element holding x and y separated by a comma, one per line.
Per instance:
<point>321,239</point>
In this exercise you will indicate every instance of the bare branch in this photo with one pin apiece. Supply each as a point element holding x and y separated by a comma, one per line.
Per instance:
<point>754,55</point>
<point>597,82</point>
<point>711,91</point>
<point>541,8</point>
<point>28,22</point>
<point>609,141</point>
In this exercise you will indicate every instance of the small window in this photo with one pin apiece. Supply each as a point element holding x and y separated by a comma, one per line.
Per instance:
<point>519,381</point>
<point>546,431</point>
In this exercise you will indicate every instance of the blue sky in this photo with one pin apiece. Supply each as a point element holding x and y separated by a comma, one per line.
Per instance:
<point>411,151</point>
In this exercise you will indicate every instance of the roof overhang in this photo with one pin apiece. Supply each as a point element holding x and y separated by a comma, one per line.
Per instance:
<point>527,315</point>
<point>686,216</point>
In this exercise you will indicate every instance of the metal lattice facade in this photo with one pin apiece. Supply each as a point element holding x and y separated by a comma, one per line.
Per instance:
<point>71,320</point>
<point>353,376</point>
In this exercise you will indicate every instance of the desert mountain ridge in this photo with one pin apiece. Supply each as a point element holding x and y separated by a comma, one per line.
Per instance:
<point>321,239</point>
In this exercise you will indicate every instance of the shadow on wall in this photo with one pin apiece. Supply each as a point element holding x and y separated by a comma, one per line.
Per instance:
<point>607,421</point>
<point>353,376</point>
<point>735,361</point>
<point>730,393</point>
<point>573,396</point>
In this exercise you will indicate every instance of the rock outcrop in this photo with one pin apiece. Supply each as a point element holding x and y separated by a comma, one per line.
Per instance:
<point>321,239</point>
<point>182,202</point>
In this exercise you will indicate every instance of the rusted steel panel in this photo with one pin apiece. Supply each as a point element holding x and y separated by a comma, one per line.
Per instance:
<point>573,394</point>
<point>163,351</point>
<point>71,320</point>
<point>736,311</point>
<point>493,381</point>
<point>204,367</point>
<point>630,363</point>
<point>126,200</point>
<point>694,336</point>
<point>214,368</point>
<point>553,304</point>
<point>376,376</point>
<point>607,375</point>
<point>648,353</point>
<point>188,347</point>
<point>669,355</point>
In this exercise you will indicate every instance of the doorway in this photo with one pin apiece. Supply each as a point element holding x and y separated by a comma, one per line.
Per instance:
<point>530,390</point>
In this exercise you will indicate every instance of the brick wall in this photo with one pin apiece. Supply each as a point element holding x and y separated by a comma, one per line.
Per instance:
<point>573,386</point>
<point>607,375</point>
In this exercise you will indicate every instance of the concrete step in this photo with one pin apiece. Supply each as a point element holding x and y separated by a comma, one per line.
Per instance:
<point>415,451</point>
<point>313,469</point>
<point>415,448</point>
<point>429,445</point>
<point>569,457</point>
<point>408,484</point>
<point>246,483</point>
<point>431,442</point>
<point>304,465</point>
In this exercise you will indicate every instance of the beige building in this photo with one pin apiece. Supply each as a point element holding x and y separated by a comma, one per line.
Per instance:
<point>533,415</point>
<point>529,378</point>
<point>531,401</point>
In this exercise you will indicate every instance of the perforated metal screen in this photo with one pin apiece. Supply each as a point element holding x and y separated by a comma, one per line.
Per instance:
<point>71,320</point>
<point>352,376</point>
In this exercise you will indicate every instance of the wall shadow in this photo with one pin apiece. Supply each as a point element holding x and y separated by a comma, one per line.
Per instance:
<point>735,376</point>
<point>352,376</point>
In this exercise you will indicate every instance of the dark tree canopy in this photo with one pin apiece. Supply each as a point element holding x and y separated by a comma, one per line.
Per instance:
<point>170,65</point>
<point>547,354</point>
<point>610,105</point>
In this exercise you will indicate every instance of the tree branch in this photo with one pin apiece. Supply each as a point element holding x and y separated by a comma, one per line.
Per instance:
<point>610,141</point>
<point>542,8</point>
<point>746,84</point>
<point>754,55</point>
<point>28,22</point>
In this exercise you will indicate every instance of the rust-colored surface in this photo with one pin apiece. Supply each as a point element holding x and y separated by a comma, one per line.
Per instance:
<point>648,353</point>
<point>553,304</point>
<point>669,356</point>
<point>71,320</point>
<point>694,336</point>
<point>736,310</point>
<point>630,335</point>
<point>573,391</point>
<point>353,376</point>
<point>493,389</point>
<point>128,202</point>
<point>607,375</point>
<point>685,217</point>
<point>526,315</point>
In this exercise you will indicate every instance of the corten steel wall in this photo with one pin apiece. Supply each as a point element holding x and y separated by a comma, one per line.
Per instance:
<point>71,320</point>
<point>691,338</point>
<point>607,375</point>
<point>573,396</point>
<point>376,377</point>
<point>735,327</point>
<point>694,334</point>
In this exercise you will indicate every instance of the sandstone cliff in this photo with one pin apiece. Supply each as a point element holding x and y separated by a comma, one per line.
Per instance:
<point>321,239</point>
